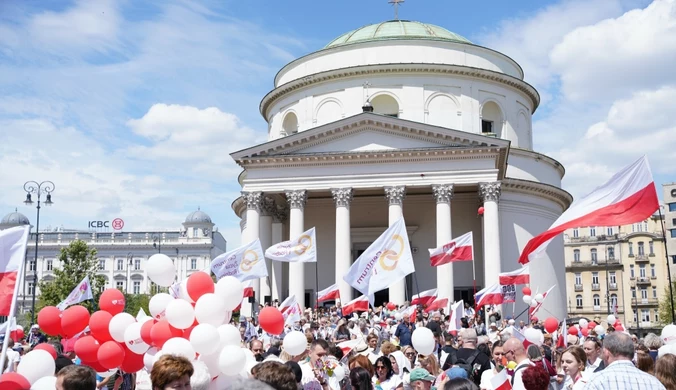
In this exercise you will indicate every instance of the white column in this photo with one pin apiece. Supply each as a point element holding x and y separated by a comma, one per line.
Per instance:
<point>276,276</point>
<point>253,210</point>
<point>443,195</point>
<point>395,197</point>
<point>343,197</point>
<point>266,241</point>
<point>490,194</point>
<point>296,200</point>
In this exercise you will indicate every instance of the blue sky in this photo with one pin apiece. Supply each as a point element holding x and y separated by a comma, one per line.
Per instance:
<point>132,107</point>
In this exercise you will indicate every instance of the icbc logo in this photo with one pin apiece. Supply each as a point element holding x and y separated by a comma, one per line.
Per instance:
<point>117,224</point>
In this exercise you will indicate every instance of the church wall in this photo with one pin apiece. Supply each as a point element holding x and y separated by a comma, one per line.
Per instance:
<point>395,52</point>
<point>533,167</point>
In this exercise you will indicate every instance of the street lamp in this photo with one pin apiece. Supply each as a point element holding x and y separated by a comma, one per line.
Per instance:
<point>129,263</point>
<point>33,187</point>
<point>157,243</point>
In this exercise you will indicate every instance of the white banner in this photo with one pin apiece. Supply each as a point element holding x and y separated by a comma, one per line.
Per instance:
<point>245,263</point>
<point>456,312</point>
<point>81,293</point>
<point>302,249</point>
<point>386,261</point>
<point>509,293</point>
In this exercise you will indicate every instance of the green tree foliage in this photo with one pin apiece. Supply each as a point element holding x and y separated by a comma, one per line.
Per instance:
<point>667,305</point>
<point>135,302</point>
<point>76,261</point>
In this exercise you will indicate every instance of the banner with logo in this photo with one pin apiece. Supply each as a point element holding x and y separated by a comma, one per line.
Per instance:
<point>386,261</point>
<point>509,293</point>
<point>245,263</point>
<point>302,249</point>
<point>81,293</point>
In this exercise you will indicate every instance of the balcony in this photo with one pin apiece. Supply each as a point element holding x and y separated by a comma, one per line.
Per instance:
<point>643,280</point>
<point>596,287</point>
<point>612,286</point>
<point>578,287</point>
<point>642,259</point>
<point>646,302</point>
<point>597,308</point>
<point>597,238</point>
<point>589,265</point>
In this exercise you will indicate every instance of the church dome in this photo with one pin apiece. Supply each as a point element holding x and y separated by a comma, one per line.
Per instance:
<point>15,218</point>
<point>198,217</point>
<point>397,29</point>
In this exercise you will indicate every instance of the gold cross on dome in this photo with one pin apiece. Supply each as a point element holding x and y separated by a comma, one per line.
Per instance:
<point>396,3</point>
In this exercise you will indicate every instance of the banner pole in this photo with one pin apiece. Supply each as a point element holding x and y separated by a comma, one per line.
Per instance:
<point>474,282</point>
<point>316,290</point>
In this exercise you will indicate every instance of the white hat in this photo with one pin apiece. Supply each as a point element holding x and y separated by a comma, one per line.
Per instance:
<point>362,349</point>
<point>35,326</point>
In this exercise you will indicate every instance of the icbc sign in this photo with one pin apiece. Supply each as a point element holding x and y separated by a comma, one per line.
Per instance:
<point>116,224</point>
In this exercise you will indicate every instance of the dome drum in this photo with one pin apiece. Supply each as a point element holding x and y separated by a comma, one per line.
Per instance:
<point>14,219</point>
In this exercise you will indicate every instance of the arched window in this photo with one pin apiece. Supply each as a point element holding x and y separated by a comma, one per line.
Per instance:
<point>491,119</point>
<point>594,256</point>
<point>611,253</point>
<point>443,111</point>
<point>578,301</point>
<point>613,301</point>
<point>576,255</point>
<point>385,105</point>
<point>290,124</point>
<point>597,302</point>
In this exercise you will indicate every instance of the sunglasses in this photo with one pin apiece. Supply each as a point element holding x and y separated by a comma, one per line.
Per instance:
<point>380,367</point>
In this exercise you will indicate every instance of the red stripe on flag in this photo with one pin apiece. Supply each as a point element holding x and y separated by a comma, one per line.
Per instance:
<point>332,296</point>
<point>7,284</point>
<point>461,253</point>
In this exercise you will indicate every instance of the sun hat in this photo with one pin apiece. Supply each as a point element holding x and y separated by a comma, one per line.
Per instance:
<point>421,374</point>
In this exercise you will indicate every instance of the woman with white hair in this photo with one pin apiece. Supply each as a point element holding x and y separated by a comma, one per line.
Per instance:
<point>653,342</point>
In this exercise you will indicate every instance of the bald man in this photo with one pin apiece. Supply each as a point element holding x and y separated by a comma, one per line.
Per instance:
<point>514,350</point>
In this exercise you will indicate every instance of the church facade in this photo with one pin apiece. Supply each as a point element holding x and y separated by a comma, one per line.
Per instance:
<point>402,119</point>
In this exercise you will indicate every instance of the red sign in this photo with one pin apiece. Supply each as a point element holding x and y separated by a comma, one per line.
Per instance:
<point>118,224</point>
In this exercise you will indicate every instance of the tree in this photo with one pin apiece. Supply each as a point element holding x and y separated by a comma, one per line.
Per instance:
<point>135,302</point>
<point>77,261</point>
<point>667,305</point>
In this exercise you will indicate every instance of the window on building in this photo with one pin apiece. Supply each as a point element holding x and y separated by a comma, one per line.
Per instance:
<point>652,271</point>
<point>595,278</point>
<point>645,226</point>
<point>194,232</point>
<point>578,278</point>
<point>597,302</point>
<point>576,232</point>
<point>120,264</point>
<point>635,317</point>
<point>654,292</point>
<point>119,285</point>
<point>193,263</point>
<point>673,259</point>
<point>644,293</point>
<point>611,253</point>
<point>137,287</point>
<point>612,277</point>
<point>31,288</point>
<point>609,230</point>
<point>137,264</point>
<point>31,265</point>
<point>631,271</point>
<point>641,271</point>
<point>592,231</point>
<point>613,301</point>
<point>673,221</point>
<point>486,126</point>
<point>633,227</point>
<point>657,317</point>
<point>594,256</point>
<point>672,206</point>
<point>633,292</point>
<point>645,315</point>
<point>576,255</point>
<point>673,233</point>
<point>578,301</point>
<point>641,249</point>
<point>50,264</point>
<point>651,247</point>
<point>631,248</point>
<point>102,265</point>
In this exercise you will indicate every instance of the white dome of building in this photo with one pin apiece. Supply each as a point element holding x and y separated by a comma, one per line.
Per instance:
<point>198,216</point>
<point>13,219</point>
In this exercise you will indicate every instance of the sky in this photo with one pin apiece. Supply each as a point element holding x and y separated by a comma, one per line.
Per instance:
<point>132,107</point>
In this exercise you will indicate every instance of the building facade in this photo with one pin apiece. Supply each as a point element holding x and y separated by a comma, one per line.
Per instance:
<point>619,270</point>
<point>669,210</point>
<point>401,119</point>
<point>121,255</point>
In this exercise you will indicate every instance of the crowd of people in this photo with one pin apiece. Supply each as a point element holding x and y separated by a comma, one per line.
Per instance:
<point>374,351</point>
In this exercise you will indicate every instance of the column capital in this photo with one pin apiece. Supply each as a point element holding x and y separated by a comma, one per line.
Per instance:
<point>443,193</point>
<point>342,196</point>
<point>269,206</point>
<point>395,194</point>
<point>296,199</point>
<point>280,214</point>
<point>490,192</point>
<point>254,200</point>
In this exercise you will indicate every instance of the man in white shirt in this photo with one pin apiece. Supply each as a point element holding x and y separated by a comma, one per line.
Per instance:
<point>592,348</point>
<point>515,351</point>
<point>13,357</point>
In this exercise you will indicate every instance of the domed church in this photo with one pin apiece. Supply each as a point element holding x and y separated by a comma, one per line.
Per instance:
<point>402,118</point>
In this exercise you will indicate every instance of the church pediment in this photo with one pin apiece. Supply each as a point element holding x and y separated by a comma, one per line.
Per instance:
<point>368,132</point>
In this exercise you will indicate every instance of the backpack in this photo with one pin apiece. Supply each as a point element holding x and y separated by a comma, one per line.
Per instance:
<point>511,381</point>
<point>468,365</point>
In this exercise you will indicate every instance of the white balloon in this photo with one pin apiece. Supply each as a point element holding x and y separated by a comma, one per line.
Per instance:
<point>295,343</point>
<point>397,316</point>
<point>44,383</point>
<point>118,325</point>
<point>539,298</point>
<point>179,346</point>
<point>231,360</point>
<point>534,336</point>
<point>202,339</point>
<point>180,314</point>
<point>36,364</point>
<point>183,291</point>
<point>231,291</point>
<point>249,355</point>
<point>157,356</point>
<point>666,349</point>
<point>149,358</point>
<point>423,340</point>
<point>19,327</point>
<point>161,270</point>
<point>229,335</point>
<point>133,340</point>
<point>527,299</point>
<point>583,323</point>
<point>212,362</point>
<point>210,309</point>
<point>668,334</point>
<point>158,305</point>
<point>600,330</point>
<point>222,382</point>
<point>533,303</point>
<point>611,320</point>
<point>339,373</point>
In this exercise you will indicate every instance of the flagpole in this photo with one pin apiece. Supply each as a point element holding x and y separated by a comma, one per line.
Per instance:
<point>666,252</point>
<point>12,309</point>
<point>474,279</point>
<point>317,290</point>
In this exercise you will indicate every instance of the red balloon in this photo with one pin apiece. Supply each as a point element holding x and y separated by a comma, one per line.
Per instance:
<point>95,365</point>
<point>572,330</point>
<point>481,210</point>
<point>198,284</point>
<point>145,331</point>
<point>110,355</point>
<point>132,362</point>
<point>551,324</point>
<point>585,332</point>
<point>20,334</point>
<point>47,347</point>
<point>49,320</point>
<point>591,325</point>
<point>14,381</point>
<point>98,325</point>
<point>391,306</point>
<point>74,320</point>
<point>526,291</point>
<point>112,301</point>
<point>187,332</point>
<point>162,331</point>
<point>271,320</point>
<point>86,348</point>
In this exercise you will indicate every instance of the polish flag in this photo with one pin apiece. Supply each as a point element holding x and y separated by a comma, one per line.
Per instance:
<point>248,290</point>
<point>349,345</point>
<point>491,295</point>
<point>456,310</point>
<point>424,298</point>
<point>437,304</point>
<point>628,197</point>
<point>287,303</point>
<point>520,276</point>
<point>533,310</point>
<point>331,293</point>
<point>358,304</point>
<point>501,381</point>
<point>460,249</point>
<point>12,254</point>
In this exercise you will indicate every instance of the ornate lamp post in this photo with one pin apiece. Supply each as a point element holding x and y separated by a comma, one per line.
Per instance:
<point>33,187</point>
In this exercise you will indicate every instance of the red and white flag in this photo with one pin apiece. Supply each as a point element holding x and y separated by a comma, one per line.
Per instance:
<point>533,310</point>
<point>291,310</point>
<point>491,295</point>
<point>424,298</point>
<point>360,303</point>
<point>349,345</point>
<point>456,312</point>
<point>329,294</point>
<point>628,197</point>
<point>12,254</point>
<point>501,381</point>
<point>437,304</point>
<point>248,290</point>
<point>459,249</point>
<point>411,312</point>
<point>519,276</point>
